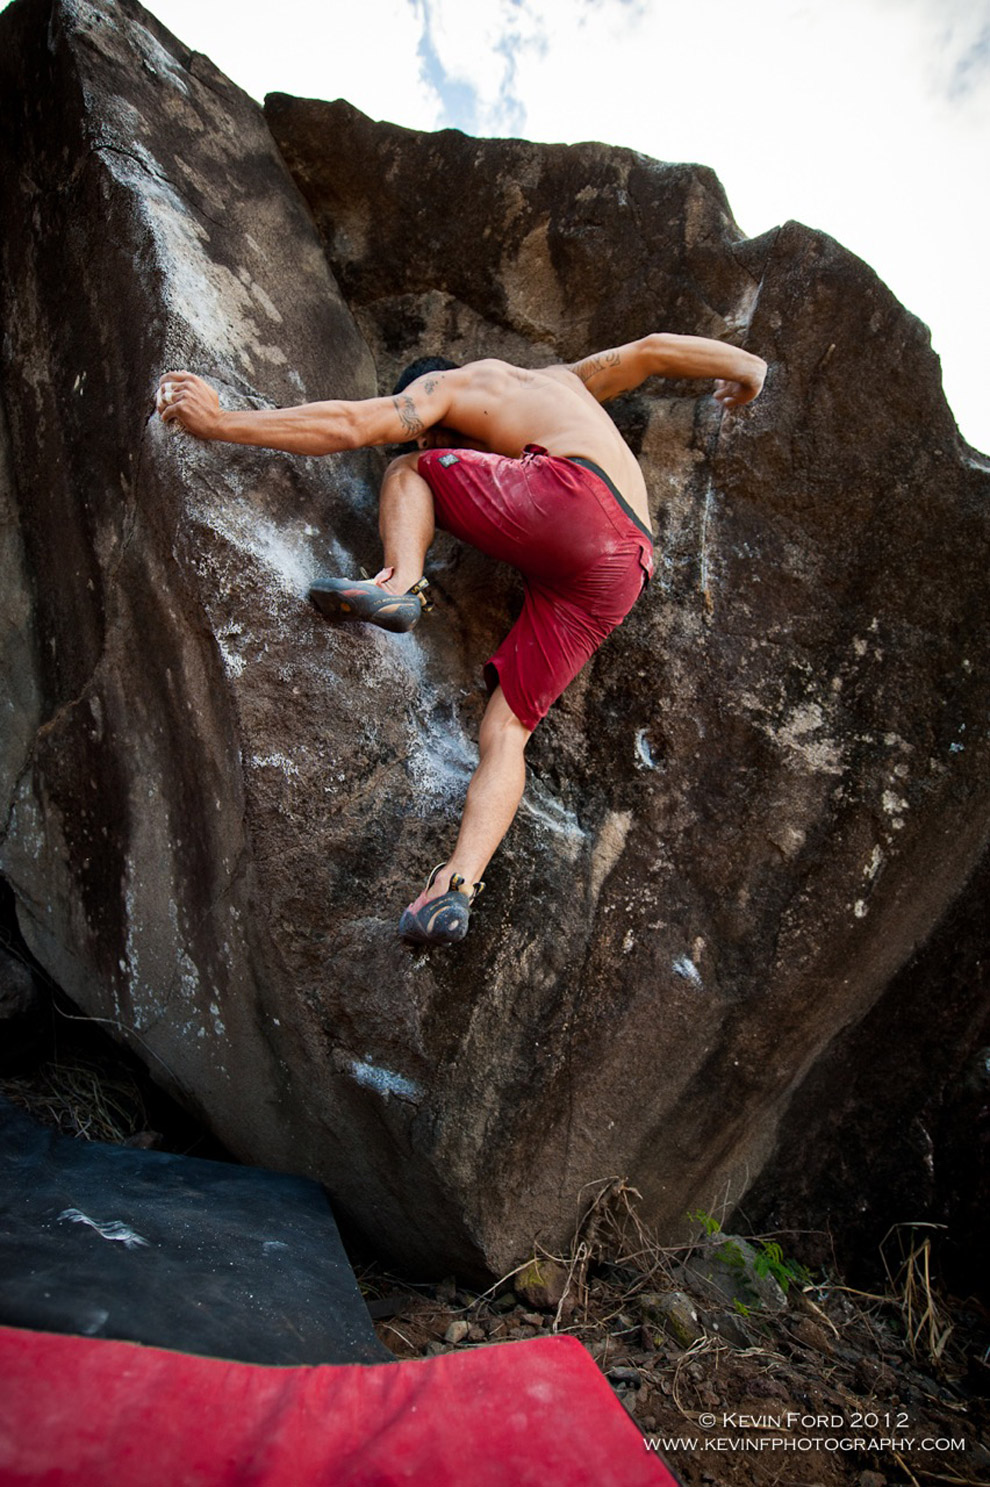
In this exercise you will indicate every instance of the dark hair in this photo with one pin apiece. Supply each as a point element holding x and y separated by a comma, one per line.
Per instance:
<point>420,367</point>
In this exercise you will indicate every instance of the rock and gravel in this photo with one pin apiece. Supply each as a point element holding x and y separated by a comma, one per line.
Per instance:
<point>823,1392</point>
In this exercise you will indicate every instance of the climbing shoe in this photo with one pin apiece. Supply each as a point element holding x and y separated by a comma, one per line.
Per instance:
<point>354,599</point>
<point>443,920</point>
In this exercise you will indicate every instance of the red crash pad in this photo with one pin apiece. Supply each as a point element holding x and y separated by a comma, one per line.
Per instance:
<point>90,1411</point>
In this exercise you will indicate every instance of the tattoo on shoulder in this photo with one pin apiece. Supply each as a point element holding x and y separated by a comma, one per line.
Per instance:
<point>409,418</point>
<point>593,364</point>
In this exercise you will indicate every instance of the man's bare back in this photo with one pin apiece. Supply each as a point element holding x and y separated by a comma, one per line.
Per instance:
<point>503,408</point>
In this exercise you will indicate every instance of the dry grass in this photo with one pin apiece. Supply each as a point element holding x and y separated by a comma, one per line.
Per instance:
<point>925,1324</point>
<point>78,1097</point>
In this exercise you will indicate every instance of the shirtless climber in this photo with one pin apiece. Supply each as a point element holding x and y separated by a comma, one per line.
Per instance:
<point>527,467</point>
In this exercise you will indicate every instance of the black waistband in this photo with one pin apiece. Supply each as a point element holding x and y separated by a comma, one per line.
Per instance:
<point>579,459</point>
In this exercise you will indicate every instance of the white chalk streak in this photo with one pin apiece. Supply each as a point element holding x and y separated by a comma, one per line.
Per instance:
<point>111,1229</point>
<point>687,970</point>
<point>385,1081</point>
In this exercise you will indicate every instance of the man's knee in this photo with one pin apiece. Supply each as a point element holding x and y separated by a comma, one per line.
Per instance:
<point>401,464</point>
<point>500,727</point>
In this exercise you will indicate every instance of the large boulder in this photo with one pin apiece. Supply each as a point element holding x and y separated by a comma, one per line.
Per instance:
<point>760,798</point>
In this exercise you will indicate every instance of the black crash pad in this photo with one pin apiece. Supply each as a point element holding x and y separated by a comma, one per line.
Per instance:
<point>201,1256</point>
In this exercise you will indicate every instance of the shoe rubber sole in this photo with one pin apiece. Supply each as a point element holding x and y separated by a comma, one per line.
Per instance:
<point>350,599</point>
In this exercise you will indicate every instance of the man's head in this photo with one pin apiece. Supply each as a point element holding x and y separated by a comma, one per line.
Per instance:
<point>419,368</point>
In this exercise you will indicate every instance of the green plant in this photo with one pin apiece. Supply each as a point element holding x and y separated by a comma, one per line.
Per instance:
<point>770,1262</point>
<point>709,1224</point>
<point>768,1257</point>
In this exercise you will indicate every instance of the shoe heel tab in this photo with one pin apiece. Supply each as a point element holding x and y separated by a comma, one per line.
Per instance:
<point>419,588</point>
<point>457,883</point>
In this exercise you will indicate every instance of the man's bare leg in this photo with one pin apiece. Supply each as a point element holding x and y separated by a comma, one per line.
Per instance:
<point>406,523</point>
<point>493,798</point>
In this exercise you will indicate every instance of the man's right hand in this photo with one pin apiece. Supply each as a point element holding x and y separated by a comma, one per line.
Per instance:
<point>186,399</point>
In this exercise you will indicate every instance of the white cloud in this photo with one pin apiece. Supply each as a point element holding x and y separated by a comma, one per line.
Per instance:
<point>957,36</point>
<point>473,52</point>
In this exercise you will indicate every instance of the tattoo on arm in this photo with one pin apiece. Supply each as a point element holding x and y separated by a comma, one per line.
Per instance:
<point>593,364</point>
<point>411,422</point>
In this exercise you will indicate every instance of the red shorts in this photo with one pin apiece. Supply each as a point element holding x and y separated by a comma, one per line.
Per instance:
<point>583,554</point>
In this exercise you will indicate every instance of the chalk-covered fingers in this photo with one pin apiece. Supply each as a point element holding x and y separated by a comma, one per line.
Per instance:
<point>186,399</point>
<point>169,391</point>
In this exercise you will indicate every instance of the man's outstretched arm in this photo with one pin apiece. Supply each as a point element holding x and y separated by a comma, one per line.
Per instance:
<point>310,428</point>
<point>738,374</point>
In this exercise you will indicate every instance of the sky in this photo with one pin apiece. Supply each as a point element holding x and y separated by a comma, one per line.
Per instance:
<point>868,119</point>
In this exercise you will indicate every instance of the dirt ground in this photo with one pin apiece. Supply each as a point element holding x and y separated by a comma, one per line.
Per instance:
<point>828,1391</point>
<point>735,1383</point>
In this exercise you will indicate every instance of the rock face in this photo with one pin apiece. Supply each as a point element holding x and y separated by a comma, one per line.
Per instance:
<point>742,820</point>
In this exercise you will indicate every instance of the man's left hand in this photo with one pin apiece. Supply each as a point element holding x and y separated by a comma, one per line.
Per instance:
<point>186,399</point>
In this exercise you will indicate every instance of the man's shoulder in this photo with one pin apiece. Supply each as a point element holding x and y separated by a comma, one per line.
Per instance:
<point>493,369</point>
<point>488,366</point>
